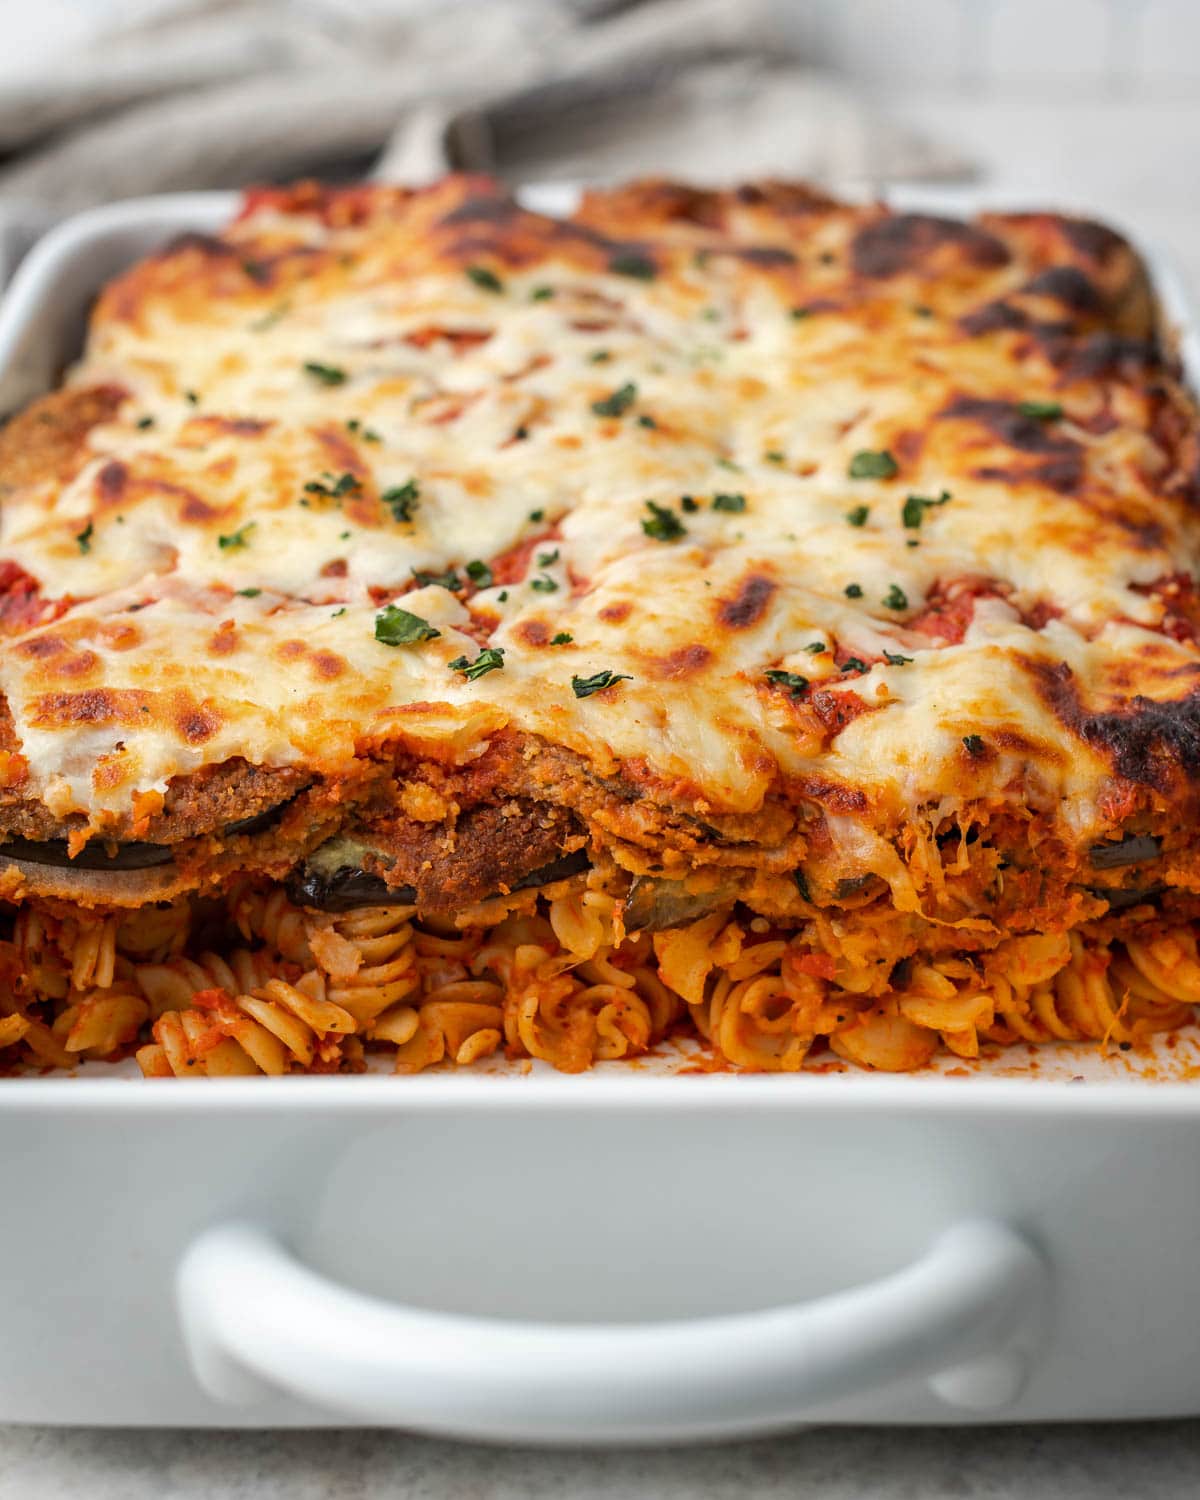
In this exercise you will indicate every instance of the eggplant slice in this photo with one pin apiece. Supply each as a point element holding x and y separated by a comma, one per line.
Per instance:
<point>348,886</point>
<point>1133,849</point>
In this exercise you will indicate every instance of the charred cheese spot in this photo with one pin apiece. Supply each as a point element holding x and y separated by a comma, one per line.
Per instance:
<point>327,665</point>
<point>910,242</point>
<point>749,604</point>
<point>684,661</point>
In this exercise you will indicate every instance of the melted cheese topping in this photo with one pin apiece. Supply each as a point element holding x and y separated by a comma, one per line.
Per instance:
<point>228,540</point>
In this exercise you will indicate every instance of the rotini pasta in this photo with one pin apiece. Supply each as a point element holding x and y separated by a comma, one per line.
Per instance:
<point>554,978</point>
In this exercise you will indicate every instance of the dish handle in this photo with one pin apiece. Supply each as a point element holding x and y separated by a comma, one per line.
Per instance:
<point>257,1321</point>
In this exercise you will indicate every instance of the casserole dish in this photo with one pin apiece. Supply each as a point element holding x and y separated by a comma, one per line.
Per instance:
<point>627,1256</point>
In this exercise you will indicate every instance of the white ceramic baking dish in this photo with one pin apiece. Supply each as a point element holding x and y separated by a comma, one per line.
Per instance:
<point>636,1254</point>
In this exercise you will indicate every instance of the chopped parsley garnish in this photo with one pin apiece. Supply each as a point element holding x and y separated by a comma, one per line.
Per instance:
<point>631,263</point>
<point>83,539</point>
<point>858,516</point>
<point>521,434</point>
<point>191,398</point>
<point>326,374</point>
<point>974,744</point>
<point>790,680</point>
<point>563,638</point>
<point>334,489</point>
<point>338,612</point>
<point>646,421</point>
<point>599,357</point>
<point>710,314</point>
<point>541,294</point>
<point>480,574</point>
<point>734,503</point>
<point>618,402</point>
<point>815,648</point>
<point>868,464</point>
<point>536,515</point>
<point>728,463</point>
<point>1041,411</point>
<point>895,598</point>
<point>544,585</point>
<point>915,507</point>
<point>503,596</point>
<point>853,591</point>
<point>402,499</point>
<point>249,593</point>
<point>271,317</point>
<point>584,687</point>
<point>774,456</point>
<point>398,627</point>
<point>144,422</point>
<point>343,536</point>
<point>689,504</point>
<point>802,884</point>
<point>486,280</point>
<point>894,659</point>
<point>368,434</point>
<point>854,664</point>
<point>801,312</point>
<point>662,523</point>
<point>257,270</point>
<point>545,559</point>
<point>448,580</point>
<point>490,659</point>
<point>236,539</point>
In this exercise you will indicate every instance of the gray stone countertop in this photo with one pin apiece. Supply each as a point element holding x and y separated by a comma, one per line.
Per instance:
<point>1149,1461</point>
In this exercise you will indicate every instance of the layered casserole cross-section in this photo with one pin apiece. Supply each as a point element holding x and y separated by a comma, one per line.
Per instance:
<point>435,629</point>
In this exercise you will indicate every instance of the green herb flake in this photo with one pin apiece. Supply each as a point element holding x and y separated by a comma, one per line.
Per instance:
<point>368,434</point>
<point>599,357</point>
<point>486,280</point>
<point>249,593</point>
<point>1041,411</point>
<point>402,499</point>
<point>271,317</point>
<point>338,612</point>
<point>815,648</point>
<point>237,539</point>
<point>544,585</point>
<point>689,503</point>
<point>448,580</point>
<point>799,313</point>
<point>802,884</point>
<point>854,664</point>
<point>869,464</point>
<point>83,539</point>
<point>647,421</point>
<point>584,687</point>
<point>858,516</point>
<point>480,574</point>
<point>774,456</point>
<point>853,591</point>
<point>490,659</point>
<point>547,559</point>
<point>894,659</point>
<point>618,402</point>
<point>398,627</point>
<point>334,489</point>
<point>895,598</point>
<point>325,374</point>
<point>662,523</point>
<point>144,423</point>
<point>974,744</point>
<point>732,503</point>
<point>728,463</point>
<point>520,434</point>
<point>916,505</point>
<point>563,638</point>
<point>793,681</point>
<point>536,515</point>
<point>191,398</point>
<point>343,536</point>
<point>502,596</point>
<point>631,263</point>
<point>541,294</point>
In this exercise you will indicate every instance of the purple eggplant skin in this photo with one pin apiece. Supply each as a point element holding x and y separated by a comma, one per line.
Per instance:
<point>351,886</point>
<point>1133,849</point>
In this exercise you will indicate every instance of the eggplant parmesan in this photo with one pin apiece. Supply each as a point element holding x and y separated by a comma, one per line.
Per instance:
<point>437,628</point>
